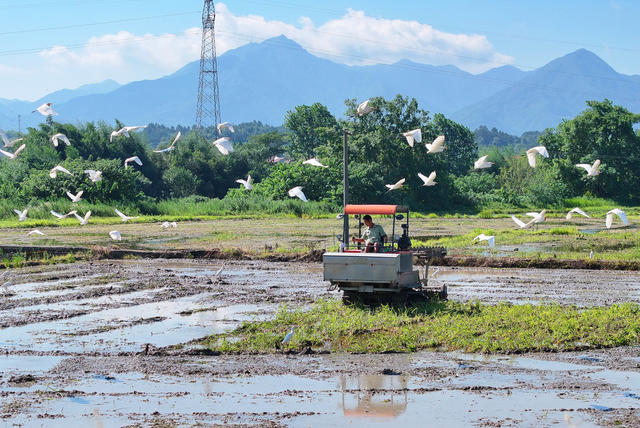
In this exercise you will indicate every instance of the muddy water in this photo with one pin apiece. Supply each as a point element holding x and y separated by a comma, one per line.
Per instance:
<point>78,346</point>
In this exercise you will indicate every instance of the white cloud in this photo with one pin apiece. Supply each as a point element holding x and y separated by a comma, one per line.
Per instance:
<point>354,38</point>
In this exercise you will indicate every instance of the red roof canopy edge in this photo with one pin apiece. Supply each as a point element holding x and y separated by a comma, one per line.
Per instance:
<point>374,209</point>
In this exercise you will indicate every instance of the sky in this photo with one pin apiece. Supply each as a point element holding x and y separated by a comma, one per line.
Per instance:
<point>47,45</point>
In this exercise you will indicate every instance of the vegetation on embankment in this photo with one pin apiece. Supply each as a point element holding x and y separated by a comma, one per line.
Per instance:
<point>329,325</point>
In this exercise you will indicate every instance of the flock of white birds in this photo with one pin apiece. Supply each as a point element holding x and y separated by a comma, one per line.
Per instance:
<point>224,146</point>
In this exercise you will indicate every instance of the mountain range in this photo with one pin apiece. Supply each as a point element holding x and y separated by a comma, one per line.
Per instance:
<point>262,81</point>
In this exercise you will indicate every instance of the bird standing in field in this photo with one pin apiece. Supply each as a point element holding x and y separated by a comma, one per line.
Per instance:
<point>430,180</point>
<point>437,145</point>
<point>217,274</point>
<point>45,110</point>
<point>314,162</point>
<point>592,170</point>
<point>14,154</point>
<point>296,192</point>
<point>125,217</point>
<point>56,169</point>
<point>246,183</point>
<point>490,239</point>
<point>482,163</point>
<point>94,175</point>
<point>414,135</point>
<point>22,215</point>
<point>619,213</point>
<point>224,125</point>
<point>577,211</point>
<point>135,159</point>
<point>55,139</point>
<point>171,147</point>
<point>115,235</point>
<point>364,108</point>
<point>224,145</point>
<point>532,152</point>
<point>398,184</point>
<point>289,335</point>
<point>75,198</point>
<point>166,224</point>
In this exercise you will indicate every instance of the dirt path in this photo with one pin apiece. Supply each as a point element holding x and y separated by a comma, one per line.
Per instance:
<point>80,342</point>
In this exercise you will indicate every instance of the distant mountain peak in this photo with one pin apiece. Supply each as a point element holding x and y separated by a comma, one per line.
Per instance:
<point>282,40</point>
<point>581,59</point>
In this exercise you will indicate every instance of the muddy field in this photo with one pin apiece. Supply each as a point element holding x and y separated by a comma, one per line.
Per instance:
<point>114,343</point>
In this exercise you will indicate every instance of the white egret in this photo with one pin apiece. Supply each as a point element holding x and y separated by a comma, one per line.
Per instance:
<point>289,335</point>
<point>532,152</point>
<point>83,220</point>
<point>430,180</point>
<point>538,217</point>
<point>171,147</point>
<point>6,141</point>
<point>364,108</point>
<point>115,235</point>
<point>577,211</point>
<point>135,159</point>
<point>35,232</point>
<point>437,146</point>
<point>395,186</point>
<point>75,198</point>
<point>125,131</point>
<point>56,169</point>
<point>592,170</point>
<point>55,139</point>
<point>125,217</point>
<point>297,192</point>
<point>246,183</point>
<point>411,136</point>
<point>522,224</point>
<point>223,145</point>
<point>482,163</point>
<point>277,159</point>
<point>22,215</point>
<point>61,216</point>
<point>223,125</point>
<point>14,154</point>
<point>166,224</point>
<point>619,213</point>
<point>490,239</point>
<point>94,175</point>
<point>216,275</point>
<point>45,110</point>
<point>314,162</point>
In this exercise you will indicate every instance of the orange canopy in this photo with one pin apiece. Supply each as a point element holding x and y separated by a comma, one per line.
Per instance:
<point>374,209</point>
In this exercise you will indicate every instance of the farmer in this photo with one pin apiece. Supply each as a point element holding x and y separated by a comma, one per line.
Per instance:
<point>373,237</point>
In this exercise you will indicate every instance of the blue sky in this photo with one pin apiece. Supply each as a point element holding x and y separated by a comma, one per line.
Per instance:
<point>46,45</point>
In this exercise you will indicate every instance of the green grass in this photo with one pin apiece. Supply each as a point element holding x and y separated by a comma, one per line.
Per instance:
<point>471,327</point>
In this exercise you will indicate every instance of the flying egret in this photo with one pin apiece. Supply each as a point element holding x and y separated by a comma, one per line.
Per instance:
<point>364,108</point>
<point>22,215</point>
<point>75,198</point>
<point>482,163</point>
<point>314,162</point>
<point>6,141</point>
<point>14,154</point>
<point>277,159</point>
<point>430,180</point>
<point>45,110</point>
<point>246,183</point>
<point>577,211</point>
<point>61,216</point>
<point>538,217</point>
<point>56,169</point>
<point>125,131</point>
<point>125,217</point>
<point>619,213</point>
<point>490,239</point>
<point>522,224</point>
<point>83,220</point>
<point>289,335</point>
<point>135,159</point>
<point>532,152</point>
<point>55,139</point>
<point>35,232</point>
<point>223,125</point>
<point>115,235</point>
<point>592,170</point>
<point>395,186</point>
<point>411,136</point>
<point>171,147</point>
<point>166,224</point>
<point>223,145</point>
<point>437,146</point>
<point>94,175</point>
<point>297,192</point>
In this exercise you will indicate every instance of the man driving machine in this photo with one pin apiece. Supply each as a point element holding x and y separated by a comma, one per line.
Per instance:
<point>373,236</point>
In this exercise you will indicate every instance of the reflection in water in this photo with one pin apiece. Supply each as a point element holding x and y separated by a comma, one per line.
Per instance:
<point>373,395</point>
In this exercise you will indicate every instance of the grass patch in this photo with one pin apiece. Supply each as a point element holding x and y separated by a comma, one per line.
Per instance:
<point>471,327</point>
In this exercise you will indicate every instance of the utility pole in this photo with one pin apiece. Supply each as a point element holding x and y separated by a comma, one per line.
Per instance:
<point>208,107</point>
<point>345,186</point>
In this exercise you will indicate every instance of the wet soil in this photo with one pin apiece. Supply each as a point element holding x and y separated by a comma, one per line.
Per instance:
<point>114,343</point>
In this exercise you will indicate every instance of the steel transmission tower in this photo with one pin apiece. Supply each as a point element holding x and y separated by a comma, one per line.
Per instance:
<point>208,109</point>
